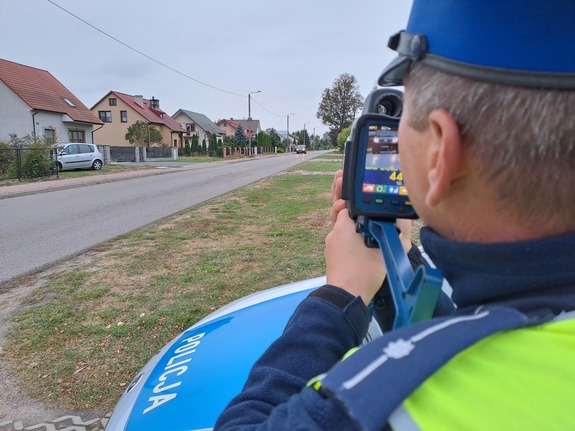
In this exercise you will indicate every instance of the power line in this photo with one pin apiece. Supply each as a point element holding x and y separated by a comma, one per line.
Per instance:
<point>143,54</point>
<point>270,112</point>
<point>159,62</point>
<point>265,109</point>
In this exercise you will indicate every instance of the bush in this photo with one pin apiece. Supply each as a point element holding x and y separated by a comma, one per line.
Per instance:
<point>7,158</point>
<point>35,162</point>
<point>187,151</point>
<point>342,138</point>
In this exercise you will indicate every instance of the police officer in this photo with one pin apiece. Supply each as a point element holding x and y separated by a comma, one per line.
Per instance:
<point>487,145</point>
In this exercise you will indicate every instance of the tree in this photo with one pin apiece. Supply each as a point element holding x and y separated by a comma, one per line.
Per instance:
<point>240,137</point>
<point>215,147</point>
<point>195,147</point>
<point>339,104</point>
<point>303,138</point>
<point>342,137</point>
<point>275,138</point>
<point>187,151</point>
<point>228,142</point>
<point>263,140</point>
<point>142,133</point>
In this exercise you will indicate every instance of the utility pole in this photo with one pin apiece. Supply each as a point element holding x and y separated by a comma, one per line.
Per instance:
<point>250,121</point>
<point>288,141</point>
<point>313,135</point>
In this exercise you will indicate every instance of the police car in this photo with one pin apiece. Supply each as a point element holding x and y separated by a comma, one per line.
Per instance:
<point>191,380</point>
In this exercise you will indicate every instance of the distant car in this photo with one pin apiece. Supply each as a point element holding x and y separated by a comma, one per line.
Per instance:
<point>384,144</point>
<point>301,149</point>
<point>78,156</point>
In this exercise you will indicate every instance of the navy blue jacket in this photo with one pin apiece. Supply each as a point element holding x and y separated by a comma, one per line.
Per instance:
<point>330,322</point>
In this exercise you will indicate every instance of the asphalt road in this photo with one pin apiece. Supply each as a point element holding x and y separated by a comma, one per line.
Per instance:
<point>39,230</point>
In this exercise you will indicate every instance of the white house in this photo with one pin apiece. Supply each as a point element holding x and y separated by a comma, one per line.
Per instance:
<point>34,103</point>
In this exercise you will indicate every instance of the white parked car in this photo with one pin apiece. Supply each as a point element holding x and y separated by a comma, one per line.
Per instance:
<point>79,156</point>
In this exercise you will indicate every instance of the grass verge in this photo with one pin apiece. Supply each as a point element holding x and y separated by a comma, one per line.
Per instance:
<point>89,329</point>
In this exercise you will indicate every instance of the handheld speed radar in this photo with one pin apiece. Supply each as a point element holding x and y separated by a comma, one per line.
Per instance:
<point>373,183</point>
<point>376,196</point>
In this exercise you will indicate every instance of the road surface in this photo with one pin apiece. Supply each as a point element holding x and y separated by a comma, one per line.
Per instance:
<point>39,230</point>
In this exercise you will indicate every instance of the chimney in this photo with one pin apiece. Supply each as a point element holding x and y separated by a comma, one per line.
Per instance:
<point>155,104</point>
<point>139,100</point>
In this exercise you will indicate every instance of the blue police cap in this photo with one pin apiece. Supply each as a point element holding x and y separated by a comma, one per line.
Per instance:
<point>514,42</point>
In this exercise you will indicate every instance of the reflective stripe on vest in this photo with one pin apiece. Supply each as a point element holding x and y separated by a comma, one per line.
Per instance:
<point>385,372</point>
<point>513,380</point>
<point>401,420</point>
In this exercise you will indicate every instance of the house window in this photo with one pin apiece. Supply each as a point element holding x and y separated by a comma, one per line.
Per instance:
<point>105,116</point>
<point>112,101</point>
<point>76,136</point>
<point>190,128</point>
<point>50,136</point>
<point>69,102</point>
<point>124,116</point>
<point>225,125</point>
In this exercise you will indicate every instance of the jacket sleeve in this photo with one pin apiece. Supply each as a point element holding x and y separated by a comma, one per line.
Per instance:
<point>323,328</point>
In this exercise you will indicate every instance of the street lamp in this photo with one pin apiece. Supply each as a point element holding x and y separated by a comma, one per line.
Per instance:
<point>250,121</point>
<point>304,132</point>
<point>288,141</point>
<point>313,136</point>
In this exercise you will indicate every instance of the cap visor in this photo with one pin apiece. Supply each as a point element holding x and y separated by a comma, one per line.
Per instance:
<point>395,72</point>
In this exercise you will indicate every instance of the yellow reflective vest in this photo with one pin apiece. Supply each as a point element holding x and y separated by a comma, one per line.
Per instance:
<point>520,380</point>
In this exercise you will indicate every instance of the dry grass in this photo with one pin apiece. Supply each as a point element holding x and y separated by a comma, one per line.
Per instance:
<point>90,328</point>
<point>96,320</point>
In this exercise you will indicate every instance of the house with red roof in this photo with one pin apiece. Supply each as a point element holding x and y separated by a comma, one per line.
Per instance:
<point>251,127</point>
<point>35,103</point>
<point>228,126</point>
<point>118,111</point>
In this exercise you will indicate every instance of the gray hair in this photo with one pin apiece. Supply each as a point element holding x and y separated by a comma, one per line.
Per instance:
<point>523,139</point>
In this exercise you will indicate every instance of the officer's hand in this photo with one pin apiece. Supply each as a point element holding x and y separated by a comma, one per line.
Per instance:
<point>403,225</point>
<point>338,203</point>
<point>351,265</point>
<point>336,185</point>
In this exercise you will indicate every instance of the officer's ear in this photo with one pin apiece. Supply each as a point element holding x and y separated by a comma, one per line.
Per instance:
<point>445,156</point>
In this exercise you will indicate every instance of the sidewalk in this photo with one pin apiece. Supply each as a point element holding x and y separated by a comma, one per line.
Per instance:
<point>10,191</point>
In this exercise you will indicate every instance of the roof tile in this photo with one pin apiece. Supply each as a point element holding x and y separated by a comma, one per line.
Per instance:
<point>151,115</point>
<point>41,91</point>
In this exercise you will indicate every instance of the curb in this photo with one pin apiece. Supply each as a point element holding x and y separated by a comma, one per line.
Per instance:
<point>11,191</point>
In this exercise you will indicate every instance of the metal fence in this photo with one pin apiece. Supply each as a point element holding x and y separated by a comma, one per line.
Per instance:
<point>27,163</point>
<point>123,154</point>
<point>138,154</point>
<point>158,152</point>
<point>40,161</point>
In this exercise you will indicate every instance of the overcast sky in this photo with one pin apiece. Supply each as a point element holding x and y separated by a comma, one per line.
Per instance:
<point>289,50</point>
